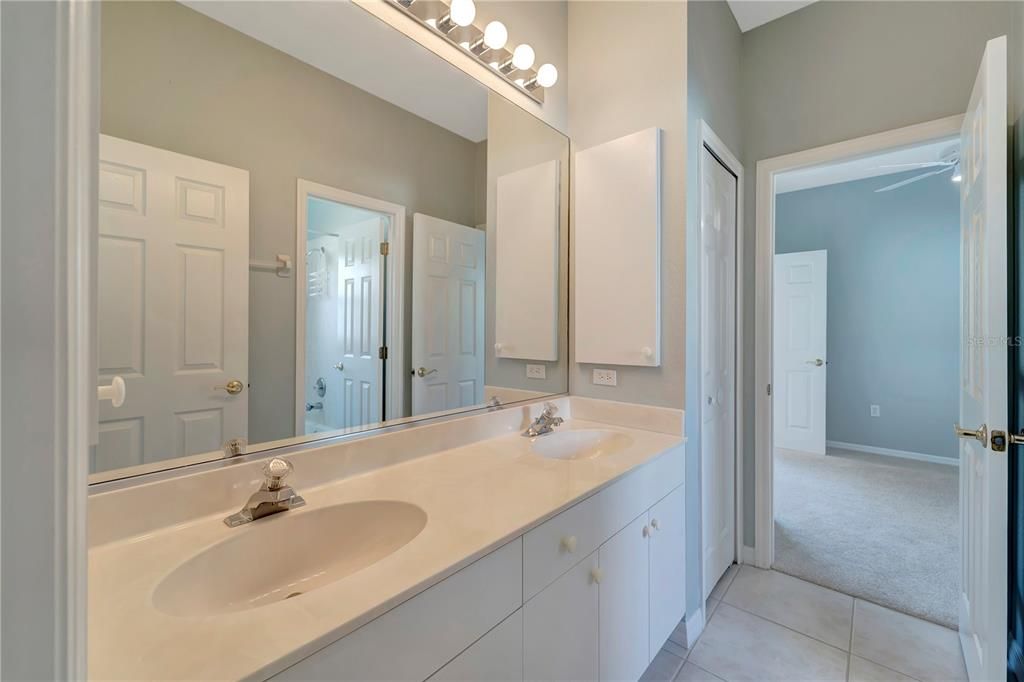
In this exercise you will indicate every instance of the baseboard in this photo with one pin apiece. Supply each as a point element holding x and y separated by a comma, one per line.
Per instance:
<point>747,555</point>
<point>889,452</point>
<point>694,625</point>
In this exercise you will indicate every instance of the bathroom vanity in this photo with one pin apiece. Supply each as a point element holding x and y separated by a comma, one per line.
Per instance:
<point>456,550</point>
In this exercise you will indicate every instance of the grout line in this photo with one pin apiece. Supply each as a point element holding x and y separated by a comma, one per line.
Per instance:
<point>781,625</point>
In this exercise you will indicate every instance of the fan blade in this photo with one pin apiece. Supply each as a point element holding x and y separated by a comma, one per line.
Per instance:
<point>919,164</point>
<point>922,176</point>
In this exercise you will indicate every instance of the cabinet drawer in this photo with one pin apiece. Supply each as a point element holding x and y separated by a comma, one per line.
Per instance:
<point>419,636</point>
<point>495,657</point>
<point>552,548</point>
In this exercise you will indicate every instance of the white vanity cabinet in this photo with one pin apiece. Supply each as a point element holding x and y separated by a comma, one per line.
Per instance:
<point>590,594</point>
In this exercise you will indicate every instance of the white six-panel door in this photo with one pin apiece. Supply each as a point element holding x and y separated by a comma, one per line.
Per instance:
<point>173,302</point>
<point>798,343</point>
<point>359,323</point>
<point>718,367</point>
<point>983,369</point>
<point>447,315</point>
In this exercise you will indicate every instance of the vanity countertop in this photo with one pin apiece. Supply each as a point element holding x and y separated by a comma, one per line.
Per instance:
<point>476,497</point>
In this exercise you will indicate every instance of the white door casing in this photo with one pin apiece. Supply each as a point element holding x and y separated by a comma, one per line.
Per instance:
<point>447,315</point>
<point>718,368</point>
<point>983,369</point>
<point>799,343</point>
<point>173,302</point>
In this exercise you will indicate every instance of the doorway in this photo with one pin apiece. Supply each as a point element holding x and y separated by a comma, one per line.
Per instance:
<point>982,380</point>
<point>348,342</point>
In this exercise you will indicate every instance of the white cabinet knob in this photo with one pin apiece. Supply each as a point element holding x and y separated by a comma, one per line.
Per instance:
<point>647,531</point>
<point>647,352</point>
<point>497,348</point>
<point>115,392</point>
<point>569,543</point>
<point>596,574</point>
<point>654,524</point>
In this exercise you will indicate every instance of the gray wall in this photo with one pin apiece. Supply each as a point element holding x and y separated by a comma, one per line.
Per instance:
<point>838,70</point>
<point>712,95</point>
<point>893,306</point>
<point>175,79</point>
<point>628,66</point>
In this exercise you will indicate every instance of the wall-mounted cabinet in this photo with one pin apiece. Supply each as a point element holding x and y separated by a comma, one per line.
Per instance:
<point>590,594</point>
<point>617,244</point>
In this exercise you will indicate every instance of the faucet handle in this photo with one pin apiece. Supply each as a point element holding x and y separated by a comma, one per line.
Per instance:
<point>275,471</point>
<point>550,409</point>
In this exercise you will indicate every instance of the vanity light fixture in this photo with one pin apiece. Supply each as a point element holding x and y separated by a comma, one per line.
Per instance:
<point>454,20</point>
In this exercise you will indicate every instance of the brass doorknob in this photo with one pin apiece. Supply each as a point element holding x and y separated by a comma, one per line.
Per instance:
<point>233,387</point>
<point>981,434</point>
<point>423,371</point>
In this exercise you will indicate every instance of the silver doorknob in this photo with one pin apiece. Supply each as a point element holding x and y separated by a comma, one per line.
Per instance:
<point>817,362</point>
<point>340,366</point>
<point>423,371</point>
<point>980,434</point>
<point>233,387</point>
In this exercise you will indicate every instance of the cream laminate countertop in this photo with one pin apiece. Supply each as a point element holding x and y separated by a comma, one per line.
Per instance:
<point>477,497</point>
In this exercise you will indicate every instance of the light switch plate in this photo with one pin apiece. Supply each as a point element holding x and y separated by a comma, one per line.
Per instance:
<point>876,411</point>
<point>606,377</point>
<point>536,372</point>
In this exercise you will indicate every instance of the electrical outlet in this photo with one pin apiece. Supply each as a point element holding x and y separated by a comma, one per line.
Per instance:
<point>876,411</point>
<point>606,377</point>
<point>536,372</point>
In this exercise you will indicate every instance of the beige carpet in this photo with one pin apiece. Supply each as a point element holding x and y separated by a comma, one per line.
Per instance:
<point>880,528</point>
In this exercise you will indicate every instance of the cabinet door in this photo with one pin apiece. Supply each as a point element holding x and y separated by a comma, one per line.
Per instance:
<point>624,620</point>
<point>495,657</point>
<point>668,567</point>
<point>560,627</point>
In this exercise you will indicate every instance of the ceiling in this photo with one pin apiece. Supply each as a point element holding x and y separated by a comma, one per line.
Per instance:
<point>351,44</point>
<point>862,167</point>
<point>753,13</point>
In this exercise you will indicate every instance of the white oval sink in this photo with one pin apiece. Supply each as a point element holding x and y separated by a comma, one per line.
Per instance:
<point>579,444</point>
<point>286,555</point>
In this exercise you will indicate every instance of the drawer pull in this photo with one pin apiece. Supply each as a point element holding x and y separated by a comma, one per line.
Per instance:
<point>569,544</point>
<point>654,524</point>
<point>596,574</point>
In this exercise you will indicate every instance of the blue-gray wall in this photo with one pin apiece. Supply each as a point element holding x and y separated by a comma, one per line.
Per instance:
<point>893,306</point>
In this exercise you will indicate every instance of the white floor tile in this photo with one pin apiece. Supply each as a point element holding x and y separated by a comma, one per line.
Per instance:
<point>723,583</point>
<point>797,604</point>
<point>663,668</point>
<point>914,647</point>
<point>737,645</point>
<point>692,673</point>
<point>678,635</point>
<point>710,608</point>
<point>863,670</point>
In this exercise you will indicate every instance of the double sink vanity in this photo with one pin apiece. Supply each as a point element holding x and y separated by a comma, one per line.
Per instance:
<point>462,549</point>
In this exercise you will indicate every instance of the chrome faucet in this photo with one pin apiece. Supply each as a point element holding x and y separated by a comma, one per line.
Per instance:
<point>272,497</point>
<point>545,423</point>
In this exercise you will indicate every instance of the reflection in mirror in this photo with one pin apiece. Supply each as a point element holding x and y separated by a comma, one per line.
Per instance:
<point>310,226</point>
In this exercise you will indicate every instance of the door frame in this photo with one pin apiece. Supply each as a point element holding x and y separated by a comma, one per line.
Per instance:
<point>708,138</point>
<point>764,231</point>
<point>394,298</point>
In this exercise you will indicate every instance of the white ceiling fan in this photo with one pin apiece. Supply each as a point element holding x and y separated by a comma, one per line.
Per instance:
<point>949,161</point>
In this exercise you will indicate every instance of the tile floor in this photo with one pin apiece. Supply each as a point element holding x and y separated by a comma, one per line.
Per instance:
<point>764,625</point>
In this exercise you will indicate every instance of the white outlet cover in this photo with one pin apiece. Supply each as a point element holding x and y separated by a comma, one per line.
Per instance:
<point>876,411</point>
<point>605,377</point>
<point>536,372</point>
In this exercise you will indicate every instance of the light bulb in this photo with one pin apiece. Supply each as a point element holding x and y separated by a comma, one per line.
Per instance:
<point>495,35</point>
<point>522,58</point>
<point>957,178</point>
<point>547,75</point>
<point>462,12</point>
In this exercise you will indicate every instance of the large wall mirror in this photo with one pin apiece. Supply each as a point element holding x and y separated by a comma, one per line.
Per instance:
<point>311,226</point>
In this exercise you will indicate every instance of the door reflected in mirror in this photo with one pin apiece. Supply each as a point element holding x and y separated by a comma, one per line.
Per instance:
<point>300,243</point>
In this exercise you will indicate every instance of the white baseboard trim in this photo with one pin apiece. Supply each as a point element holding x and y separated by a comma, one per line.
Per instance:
<point>889,452</point>
<point>694,626</point>
<point>747,555</point>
